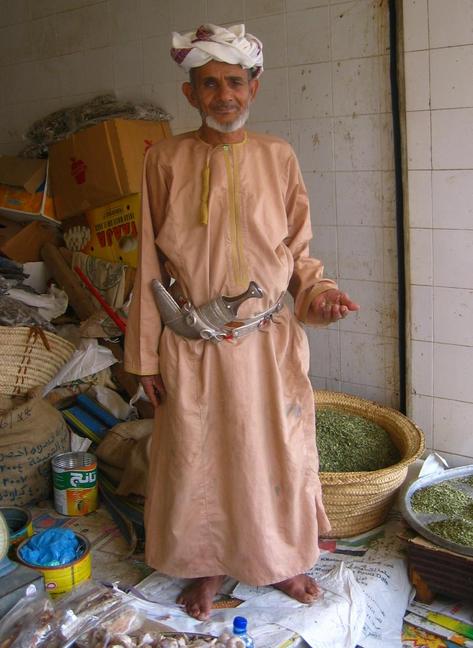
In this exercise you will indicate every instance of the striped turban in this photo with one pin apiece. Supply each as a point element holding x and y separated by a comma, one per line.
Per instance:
<point>213,43</point>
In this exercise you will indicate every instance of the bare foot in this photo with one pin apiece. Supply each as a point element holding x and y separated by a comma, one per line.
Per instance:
<point>302,588</point>
<point>198,596</point>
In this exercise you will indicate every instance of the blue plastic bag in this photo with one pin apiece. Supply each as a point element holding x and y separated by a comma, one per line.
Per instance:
<point>51,548</point>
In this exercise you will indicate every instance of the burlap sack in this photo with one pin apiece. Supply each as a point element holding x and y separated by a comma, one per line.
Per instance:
<point>126,447</point>
<point>31,433</point>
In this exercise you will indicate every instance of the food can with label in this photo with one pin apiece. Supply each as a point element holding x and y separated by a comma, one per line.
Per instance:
<point>75,483</point>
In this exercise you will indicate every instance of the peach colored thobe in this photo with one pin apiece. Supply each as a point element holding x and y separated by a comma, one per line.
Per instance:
<point>233,486</point>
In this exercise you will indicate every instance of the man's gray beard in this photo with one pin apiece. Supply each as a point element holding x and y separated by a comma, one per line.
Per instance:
<point>227,128</point>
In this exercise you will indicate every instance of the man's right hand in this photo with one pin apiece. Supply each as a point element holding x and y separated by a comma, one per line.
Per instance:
<point>154,389</point>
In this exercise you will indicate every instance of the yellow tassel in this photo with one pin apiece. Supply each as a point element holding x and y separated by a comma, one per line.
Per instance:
<point>204,199</point>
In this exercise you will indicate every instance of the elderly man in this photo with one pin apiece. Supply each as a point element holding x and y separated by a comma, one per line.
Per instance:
<point>233,477</point>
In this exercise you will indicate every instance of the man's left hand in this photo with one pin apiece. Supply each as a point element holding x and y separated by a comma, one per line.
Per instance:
<point>331,306</point>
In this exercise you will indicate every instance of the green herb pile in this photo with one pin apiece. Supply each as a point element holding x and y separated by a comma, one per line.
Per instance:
<point>440,498</point>
<point>351,443</point>
<point>467,480</point>
<point>454,529</point>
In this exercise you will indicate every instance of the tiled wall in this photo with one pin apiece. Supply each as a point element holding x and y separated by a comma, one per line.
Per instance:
<point>439,95</point>
<point>325,88</point>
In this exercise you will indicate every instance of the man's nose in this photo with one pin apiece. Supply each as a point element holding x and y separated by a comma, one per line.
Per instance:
<point>224,92</point>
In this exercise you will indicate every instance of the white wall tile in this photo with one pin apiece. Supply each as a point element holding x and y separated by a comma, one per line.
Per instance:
<point>388,198</point>
<point>416,25</point>
<point>353,89</point>
<point>279,128</point>
<point>359,197</point>
<point>256,8</point>
<point>360,253</point>
<point>321,191</point>
<point>125,21</point>
<point>324,352</point>
<point>420,198</point>
<point>271,31</point>
<point>158,66</point>
<point>356,29</point>
<point>378,395</point>
<point>421,411</point>
<point>453,372</point>
<point>362,359</point>
<point>451,197</point>
<point>14,11</point>
<point>296,5</point>
<point>389,255</point>
<point>449,69</point>
<point>87,27</point>
<point>422,307</point>
<point>450,23</point>
<point>15,44</point>
<point>312,140</point>
<point>156,19</point>
<point>456,461</point>
<point>222,12</point>
<point>452,139</point>
<point>165,96</point>
<point>308,36</point>
<point>453,258</point>
<point>187,15</point>
<point>310,91</point>
<point>323,246</point>
<point>357,143</point>
<point>272,101</point>
<point>43,38</point>
<point>421,257</point>
<point>419,153</point>
<point>128,62</point>
<point>422,360</point>
<point>417,80</point>
<point>370,295</point>
<point>453,316</point>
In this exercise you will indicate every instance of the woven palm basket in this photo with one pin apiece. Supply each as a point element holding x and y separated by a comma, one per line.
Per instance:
<point>356,502</point>
<point>30,357</point>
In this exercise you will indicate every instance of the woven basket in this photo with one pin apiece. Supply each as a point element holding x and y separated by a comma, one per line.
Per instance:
<point>356,502</point>
<point>30,356</point>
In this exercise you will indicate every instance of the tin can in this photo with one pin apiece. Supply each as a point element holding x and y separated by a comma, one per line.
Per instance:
<point>63,578</point>
<point>75,483</point>
<point>20,526</point>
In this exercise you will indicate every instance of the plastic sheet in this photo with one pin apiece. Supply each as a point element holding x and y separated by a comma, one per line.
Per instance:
<point>51,548</point>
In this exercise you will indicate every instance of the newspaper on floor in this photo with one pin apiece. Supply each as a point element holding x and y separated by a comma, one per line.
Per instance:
<point>335,620</point>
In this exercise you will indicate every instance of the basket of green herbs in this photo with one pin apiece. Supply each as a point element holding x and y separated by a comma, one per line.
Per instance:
<point>364,452</point>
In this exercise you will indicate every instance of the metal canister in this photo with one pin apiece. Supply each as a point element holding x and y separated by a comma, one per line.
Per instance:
<point>20,525</point>
<point>75,483</point>
<point>63,578</point>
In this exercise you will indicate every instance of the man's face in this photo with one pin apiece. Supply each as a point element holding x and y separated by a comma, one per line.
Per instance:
<point>222,93</point>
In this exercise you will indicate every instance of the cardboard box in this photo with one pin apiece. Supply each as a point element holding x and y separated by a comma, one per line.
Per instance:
<point>109,232</point>
<point>19,204</point>
<point>101,163</point>
<point>27,173</point>
<point>23,243</point>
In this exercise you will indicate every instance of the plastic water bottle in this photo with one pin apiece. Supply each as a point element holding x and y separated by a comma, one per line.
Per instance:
<point>240,625</point>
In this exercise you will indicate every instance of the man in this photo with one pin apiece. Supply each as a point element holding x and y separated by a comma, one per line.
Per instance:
<point>233,485</point>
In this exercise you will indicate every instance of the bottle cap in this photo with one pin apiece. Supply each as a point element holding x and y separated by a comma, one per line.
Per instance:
<point>240,625</point>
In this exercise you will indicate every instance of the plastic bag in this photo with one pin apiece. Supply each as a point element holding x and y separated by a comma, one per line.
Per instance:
<point>30,623</point>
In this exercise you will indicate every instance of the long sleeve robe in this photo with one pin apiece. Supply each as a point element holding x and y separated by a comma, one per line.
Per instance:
<point>233,482</point>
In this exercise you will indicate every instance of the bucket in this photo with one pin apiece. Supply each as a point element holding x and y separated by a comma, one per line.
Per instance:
<point>19,524</point>
<point>63,578</point>
<point>75,483</point>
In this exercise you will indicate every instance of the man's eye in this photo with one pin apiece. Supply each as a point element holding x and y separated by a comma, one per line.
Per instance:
<point>209,83</point>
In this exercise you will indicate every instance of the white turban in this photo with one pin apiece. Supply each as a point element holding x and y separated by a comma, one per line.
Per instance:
<point>213,43</point>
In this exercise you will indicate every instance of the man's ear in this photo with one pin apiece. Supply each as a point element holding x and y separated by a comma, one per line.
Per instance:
<point>189,93</point>
<point>254,86</point>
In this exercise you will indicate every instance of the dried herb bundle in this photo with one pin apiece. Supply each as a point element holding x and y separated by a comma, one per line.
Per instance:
<point>351,443</point>
<point>455,530</point>
<point>440,498</point>
<point>467,480</point>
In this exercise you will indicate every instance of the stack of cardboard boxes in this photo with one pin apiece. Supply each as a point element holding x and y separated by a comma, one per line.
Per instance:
<point>91,182</point>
